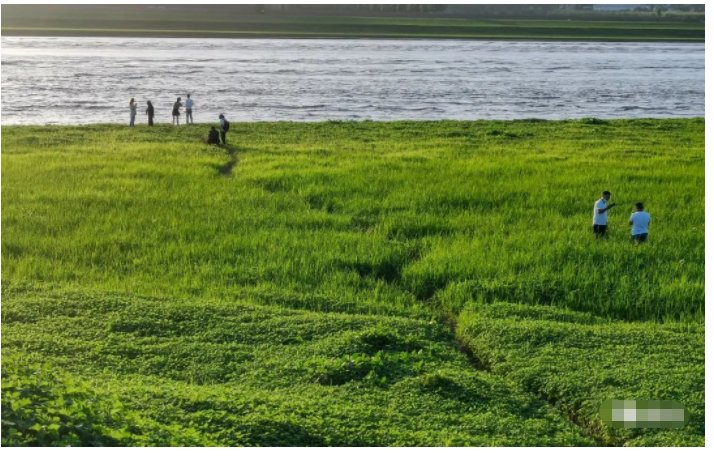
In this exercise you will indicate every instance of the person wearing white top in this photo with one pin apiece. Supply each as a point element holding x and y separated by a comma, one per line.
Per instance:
<point>640,221</point>
<point>600,215</point>
<point>189,109</point>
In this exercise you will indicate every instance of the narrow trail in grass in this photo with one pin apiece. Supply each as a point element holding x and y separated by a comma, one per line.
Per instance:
<point>450,322</point>
<point>226,169</point>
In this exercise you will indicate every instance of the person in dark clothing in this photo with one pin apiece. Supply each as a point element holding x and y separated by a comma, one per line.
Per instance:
<point>224,127</point>
<point>213,136</point>
<point>150,112</point>
<point>176,112</point>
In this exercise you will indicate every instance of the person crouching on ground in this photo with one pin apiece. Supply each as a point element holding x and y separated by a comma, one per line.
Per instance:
<point>213,136</point>
<point>224,127</point>
<point>600,215</point>
<point>640,221</point>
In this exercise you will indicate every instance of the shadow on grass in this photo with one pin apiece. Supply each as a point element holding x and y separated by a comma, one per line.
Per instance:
<point>226,169</point>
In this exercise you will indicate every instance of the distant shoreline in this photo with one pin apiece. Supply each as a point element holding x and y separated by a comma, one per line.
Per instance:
<point>352,21</point>
<point>593,120</point>
<point>208,34</point>
<point>175,24</point>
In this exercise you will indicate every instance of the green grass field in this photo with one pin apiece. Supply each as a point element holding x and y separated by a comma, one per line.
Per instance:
<point>113,20</point>
<point>349,283</point>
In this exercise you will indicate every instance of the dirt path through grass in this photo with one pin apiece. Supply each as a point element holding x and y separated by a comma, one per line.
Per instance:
<point>478,364</point>
<point>226,169</point>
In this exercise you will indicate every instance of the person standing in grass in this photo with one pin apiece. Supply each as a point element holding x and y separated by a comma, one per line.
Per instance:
<point>176,112</point>
<point>189,109</point>
<point>640,221</point>
<point>132,112</point>
<point>600,215</point>
<point>224,127</point>
<point>150,112</point>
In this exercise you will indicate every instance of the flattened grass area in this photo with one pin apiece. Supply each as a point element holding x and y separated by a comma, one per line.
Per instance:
<point>578,361</point>
<point>167,372</point>
<point>294,287</point>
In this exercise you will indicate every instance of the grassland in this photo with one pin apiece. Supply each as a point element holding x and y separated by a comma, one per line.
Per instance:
<point>349,283</point>
<point>156,22</point>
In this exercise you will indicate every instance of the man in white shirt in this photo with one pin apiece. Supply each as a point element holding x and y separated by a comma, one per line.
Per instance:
<point>189,109</point>
<point>640,221</point>
<point>600,215</point>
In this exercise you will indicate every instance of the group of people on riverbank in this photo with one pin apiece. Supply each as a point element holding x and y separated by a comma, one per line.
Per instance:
<point>639,219</point>
<point>175,112</point>
<point>214,136</point>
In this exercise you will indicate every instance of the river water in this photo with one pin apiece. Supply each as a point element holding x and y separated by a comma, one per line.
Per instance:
<point>57,80</point>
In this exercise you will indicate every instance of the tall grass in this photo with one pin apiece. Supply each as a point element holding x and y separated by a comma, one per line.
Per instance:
<point>289,289</point>
<point>391,218</point>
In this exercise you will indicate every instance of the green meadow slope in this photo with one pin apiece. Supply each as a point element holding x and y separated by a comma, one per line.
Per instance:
<point>349,283</point>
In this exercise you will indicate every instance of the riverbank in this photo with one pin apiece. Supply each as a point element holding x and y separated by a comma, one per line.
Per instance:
<point>356,27</point>
<point>349,283</point>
